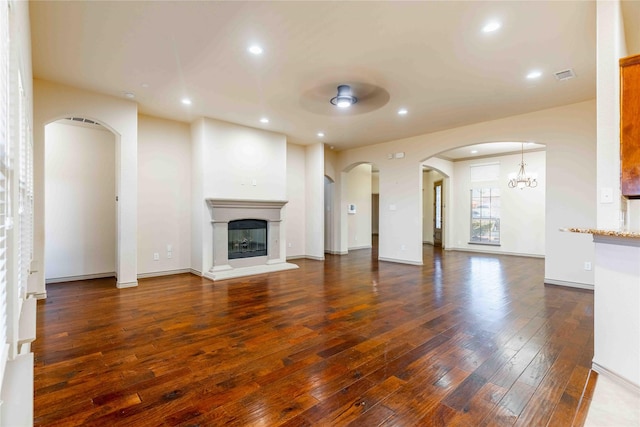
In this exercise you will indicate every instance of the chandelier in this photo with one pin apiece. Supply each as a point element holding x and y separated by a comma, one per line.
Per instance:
<point>523,179</point>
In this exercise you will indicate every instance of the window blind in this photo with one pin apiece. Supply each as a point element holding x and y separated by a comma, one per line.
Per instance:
<point>4,143</point>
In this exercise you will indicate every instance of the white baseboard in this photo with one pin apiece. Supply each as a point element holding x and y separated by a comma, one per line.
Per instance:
<point>489,251</point>
<point>164,273</point>
<point>400,261</point>
<point>81,277</point>
<point>315,258</point>
<point>355,248</point>
<point>123,285</point>
<point>196,272</point>
<point>337,252</point>
<point>568,284</point>
<point>623,382</point>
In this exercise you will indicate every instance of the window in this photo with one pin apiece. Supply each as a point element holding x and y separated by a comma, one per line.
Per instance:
<point>485,216</point>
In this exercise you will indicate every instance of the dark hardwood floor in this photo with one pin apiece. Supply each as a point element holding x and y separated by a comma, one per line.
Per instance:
<point>467,340</point>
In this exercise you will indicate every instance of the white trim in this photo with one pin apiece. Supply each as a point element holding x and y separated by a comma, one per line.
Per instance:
<point>163,273</point>
<point>484,251</point>
<point>122,285</point>
<point>400,261</point>
<point>311,257</point>
<point>601,370</point>
<point>357,248</point>
<point>81,277</point>
<point>196,272</point>
<point>336,252</point>
<point>249,271</point>
<point>577,285</point>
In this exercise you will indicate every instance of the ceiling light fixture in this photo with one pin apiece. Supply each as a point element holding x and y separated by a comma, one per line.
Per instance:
<point>129,95</point>
<point>264,120</point>
<point>403,111</point>
<point>186,101</point>
<point>321,134</point>
<point>491,27</point>
<point>522,179</point>
<point>344,98</point>
<point>534,74</point>
<point>255,49</point>
<point>474,151</point>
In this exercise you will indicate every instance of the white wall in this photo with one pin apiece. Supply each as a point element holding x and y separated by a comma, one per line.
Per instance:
<point>54,101</point>
<point>314,202</point>
<point>295,209</point>
<point>336,223</point>
<point>231,161</point>
<point>80,206</point>
<point>569,134</point>
<point>164,194</point>
<point>359,193</point>
<point>522,215</point>
<point>617,267</point>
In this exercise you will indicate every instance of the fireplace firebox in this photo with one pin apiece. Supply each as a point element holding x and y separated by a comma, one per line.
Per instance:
<point>247,238</point>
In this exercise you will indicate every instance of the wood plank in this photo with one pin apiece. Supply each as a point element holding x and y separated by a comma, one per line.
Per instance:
<point>319,346</point>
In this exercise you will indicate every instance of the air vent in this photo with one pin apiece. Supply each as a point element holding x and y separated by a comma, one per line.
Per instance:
<point>83,120</point>
<point>564,74</point>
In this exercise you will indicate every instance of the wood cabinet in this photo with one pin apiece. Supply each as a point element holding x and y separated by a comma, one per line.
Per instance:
<point>630,126</point>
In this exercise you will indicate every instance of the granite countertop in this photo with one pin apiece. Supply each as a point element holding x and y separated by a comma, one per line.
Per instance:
<point>596,232</point>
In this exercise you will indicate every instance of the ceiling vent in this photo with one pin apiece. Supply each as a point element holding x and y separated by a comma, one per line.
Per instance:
<point>564,74</point>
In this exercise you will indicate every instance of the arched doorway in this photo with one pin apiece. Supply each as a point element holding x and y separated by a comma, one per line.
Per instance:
<point>80,200</point>
<point>361,194</point>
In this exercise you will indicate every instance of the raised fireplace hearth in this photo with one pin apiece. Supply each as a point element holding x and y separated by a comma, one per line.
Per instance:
<point>247,238</point>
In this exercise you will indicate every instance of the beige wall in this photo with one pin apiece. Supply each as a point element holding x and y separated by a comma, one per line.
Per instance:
<point>522,216</point>
<point>568,132</point>
<point>359,193</point>
<point>164,185</point>
<point>80,206</point>
<point>295,209</point>
<point>231,161</point>
<point>54,101</point>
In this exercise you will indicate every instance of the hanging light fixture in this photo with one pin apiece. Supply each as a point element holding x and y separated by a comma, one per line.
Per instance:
<point>344,99</point>
<point>522,179</point>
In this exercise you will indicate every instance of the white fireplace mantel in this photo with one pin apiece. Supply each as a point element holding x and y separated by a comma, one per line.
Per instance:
<point>223,211</point>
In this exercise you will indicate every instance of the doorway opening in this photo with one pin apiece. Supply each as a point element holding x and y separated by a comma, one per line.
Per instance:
<point>80,200</point>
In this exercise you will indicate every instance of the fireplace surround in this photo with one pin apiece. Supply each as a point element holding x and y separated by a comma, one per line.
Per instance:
<point>226,214</point>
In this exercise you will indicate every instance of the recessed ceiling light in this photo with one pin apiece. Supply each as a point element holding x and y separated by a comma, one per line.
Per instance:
<point>321,134</point>
<point>474,151</point>
<point>145,85</point>
<point>129,95</point>
<point>491,27</point>
<point>255,49</point>
<point>186,101</point>
<point>402,111</point>
<point>264,120</point>
<point>534,74</point>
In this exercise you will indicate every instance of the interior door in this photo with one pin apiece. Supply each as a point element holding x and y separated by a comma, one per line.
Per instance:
<point>437,213</point>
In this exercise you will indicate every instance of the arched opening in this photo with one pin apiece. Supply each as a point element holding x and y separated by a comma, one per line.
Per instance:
<point>481,211</point>
<point>80,200</point>
<point>362,197</point>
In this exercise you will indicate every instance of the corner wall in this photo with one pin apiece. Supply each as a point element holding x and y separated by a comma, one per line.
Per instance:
<point>569,133</point>
<point>53,101</point>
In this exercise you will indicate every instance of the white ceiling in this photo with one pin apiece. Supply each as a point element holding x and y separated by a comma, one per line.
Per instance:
<point>489,149</point>
<point>429,57</point>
